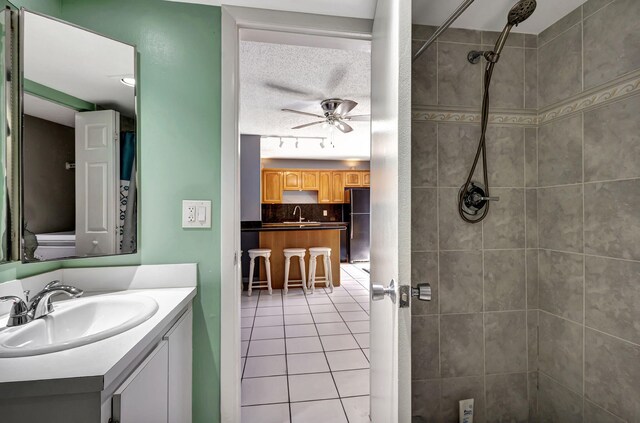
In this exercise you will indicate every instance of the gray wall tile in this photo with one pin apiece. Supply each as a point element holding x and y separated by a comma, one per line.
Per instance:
<point>592,6</point>
<point>424,154</point>
<point>560,152</point>
<point>612,219</point>
<point>504,226</point>
<point>457,145</point>
<point>612,141</point>
<point>533,397</point>
<point>454,233</point>
<point>424,71</point>
<point>532,340</point>
<point>531,157</point>
<point>425,401</point>
<point>561,350</point>
<point>424,268</point>
<point>458,80</point>
<point>507,82</point>
<point>504,280</point>
<point>423,219</point>
<point>557,404</point>
<point>505,156</point>
<point>422,32</point>
<point>560,218</point>
<point>532,279</point>
<point>461,345</point>
<point>425,359</point>
<point>560,26</point>
<point>531,210</point>
<point>561,284</point>
<point>595,414</point>
<point>560,67</point>
<point>460,35</point>
<point>515,39</point>
<point>531,40</point>
<point>531,78</point>
<point>608,52</point>
<point>613,297</point>
<point>507,398</point>
<point>455,390</point>
<point>460,281</point>
<point>505,342</point>
<point>612,372</point>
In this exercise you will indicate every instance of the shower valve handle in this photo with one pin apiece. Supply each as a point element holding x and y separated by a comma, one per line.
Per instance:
<point>489,198</point>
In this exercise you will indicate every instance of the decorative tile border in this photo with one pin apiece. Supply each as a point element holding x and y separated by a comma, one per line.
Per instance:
<point>624,86</point>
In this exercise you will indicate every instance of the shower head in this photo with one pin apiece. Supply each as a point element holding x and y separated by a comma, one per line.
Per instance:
<point>521,11</point>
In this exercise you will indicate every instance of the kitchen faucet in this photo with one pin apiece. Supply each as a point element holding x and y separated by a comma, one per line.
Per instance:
<point>22,313</point>
<point>299,213</point>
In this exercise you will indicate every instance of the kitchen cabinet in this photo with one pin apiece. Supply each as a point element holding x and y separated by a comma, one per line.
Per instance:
<point>337,187</point>
<point>292,180</point>
<point>272,186</point>
<point>366,179</point>
<point>310,180</point>
<point>352,179</point>
<point>324,187</point>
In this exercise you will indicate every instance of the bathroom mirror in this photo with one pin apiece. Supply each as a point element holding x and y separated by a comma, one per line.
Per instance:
<point>78,142</point>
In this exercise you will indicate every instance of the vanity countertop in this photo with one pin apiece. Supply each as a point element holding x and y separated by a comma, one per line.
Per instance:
<point>93,367</point>
<point>316,226</point>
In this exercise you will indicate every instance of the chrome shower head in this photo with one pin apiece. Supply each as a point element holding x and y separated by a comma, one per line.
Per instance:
<point>521,11</point>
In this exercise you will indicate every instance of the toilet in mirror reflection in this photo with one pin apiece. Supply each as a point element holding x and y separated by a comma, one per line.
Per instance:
<point>79,142</point>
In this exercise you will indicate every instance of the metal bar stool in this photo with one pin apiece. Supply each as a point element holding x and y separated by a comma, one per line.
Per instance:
<point>265,253</point>
<point>325,253</point>
<point>300,253</point>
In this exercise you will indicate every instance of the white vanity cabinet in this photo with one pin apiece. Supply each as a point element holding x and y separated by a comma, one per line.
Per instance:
<point>159,389</point>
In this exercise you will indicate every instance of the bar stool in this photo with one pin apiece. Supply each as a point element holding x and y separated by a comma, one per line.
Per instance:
<point>294,252</point>
<point>314,253</point>
<point>254,253</point>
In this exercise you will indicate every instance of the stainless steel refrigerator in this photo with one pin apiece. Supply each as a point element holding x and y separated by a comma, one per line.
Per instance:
<point>359,224</point>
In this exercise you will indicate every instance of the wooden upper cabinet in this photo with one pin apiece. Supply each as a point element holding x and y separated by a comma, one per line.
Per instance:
<point>366,179</point>
<point>310,180</point>
<point>292,180</point>
<point>324,187</point>
<point>337,187</point>
<point>352,179</point>
<point>272,185</point>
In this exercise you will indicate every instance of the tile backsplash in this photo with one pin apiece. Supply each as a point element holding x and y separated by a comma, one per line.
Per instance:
<point>276,213</point>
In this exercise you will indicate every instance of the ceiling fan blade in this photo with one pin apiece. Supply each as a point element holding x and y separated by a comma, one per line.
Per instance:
<point>358,118</point>
<point>343,126</point>
<point>308,124</point>
<point>345,107</point>
<point>289,90</point>
<point>302,113</point>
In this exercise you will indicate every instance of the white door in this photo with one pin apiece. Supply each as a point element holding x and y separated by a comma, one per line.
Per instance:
<point>97,182</point>
<point>390,209</point>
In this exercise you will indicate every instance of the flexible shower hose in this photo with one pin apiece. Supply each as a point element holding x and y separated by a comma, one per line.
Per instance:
<point>482,149</point>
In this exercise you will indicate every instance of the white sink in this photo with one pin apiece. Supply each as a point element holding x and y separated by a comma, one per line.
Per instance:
<point>75,323</point>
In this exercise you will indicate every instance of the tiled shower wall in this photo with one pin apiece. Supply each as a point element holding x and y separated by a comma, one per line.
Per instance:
<point>471,340</point>
<point>564,156</point>
<point>589,215</point>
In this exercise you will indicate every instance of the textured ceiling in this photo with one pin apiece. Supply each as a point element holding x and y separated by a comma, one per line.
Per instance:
<point>308,76</point>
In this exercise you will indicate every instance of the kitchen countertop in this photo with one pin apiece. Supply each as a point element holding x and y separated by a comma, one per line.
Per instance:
<point>267,227</point>
<point>92,367</point>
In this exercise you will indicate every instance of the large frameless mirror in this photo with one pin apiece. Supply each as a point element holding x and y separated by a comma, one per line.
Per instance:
<point>78,142</point>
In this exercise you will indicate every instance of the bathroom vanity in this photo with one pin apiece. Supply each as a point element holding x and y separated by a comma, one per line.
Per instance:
<point>142,374</point>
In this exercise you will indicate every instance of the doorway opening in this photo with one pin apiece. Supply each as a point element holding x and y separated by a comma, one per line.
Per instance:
<point>304,125</point>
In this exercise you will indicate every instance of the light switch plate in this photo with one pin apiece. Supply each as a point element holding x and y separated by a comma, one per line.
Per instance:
<point>196,214</point>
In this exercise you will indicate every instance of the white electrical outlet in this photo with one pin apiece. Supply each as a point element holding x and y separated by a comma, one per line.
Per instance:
<point>196,214</point>
<point>324,212</point>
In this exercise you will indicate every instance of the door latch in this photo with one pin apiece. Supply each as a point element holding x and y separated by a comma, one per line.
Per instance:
<point>422,293</point>
<point>378,292</point>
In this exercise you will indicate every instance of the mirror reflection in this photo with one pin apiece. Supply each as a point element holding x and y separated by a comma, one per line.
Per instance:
<point>78,142</point>
<point>5,133</point>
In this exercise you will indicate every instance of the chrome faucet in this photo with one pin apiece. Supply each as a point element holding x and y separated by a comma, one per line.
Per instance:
<point>40,305</point>
<point>299,213</point>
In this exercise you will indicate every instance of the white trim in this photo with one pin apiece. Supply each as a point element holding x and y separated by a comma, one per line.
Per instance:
<point>233,20</point>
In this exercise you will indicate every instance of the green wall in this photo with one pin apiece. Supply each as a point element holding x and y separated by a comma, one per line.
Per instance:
<point>179,90</point>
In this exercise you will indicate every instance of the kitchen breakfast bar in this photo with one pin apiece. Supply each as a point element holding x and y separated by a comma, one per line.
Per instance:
<point>278,236</point>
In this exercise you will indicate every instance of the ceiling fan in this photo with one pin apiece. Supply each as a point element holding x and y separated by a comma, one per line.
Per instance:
<point>336,114</point>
